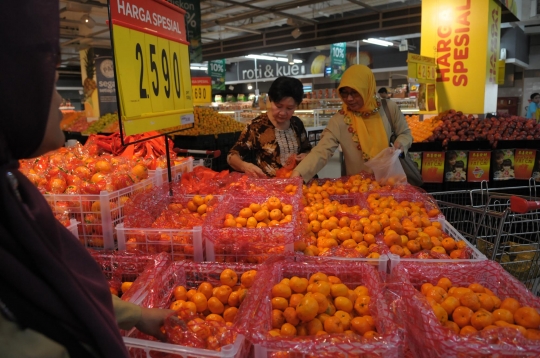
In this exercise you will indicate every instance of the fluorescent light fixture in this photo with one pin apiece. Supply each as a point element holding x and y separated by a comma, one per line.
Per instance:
<point>200,68</point>
<point>272,58</point>
<point>88,21</point>
<point>379,42</point>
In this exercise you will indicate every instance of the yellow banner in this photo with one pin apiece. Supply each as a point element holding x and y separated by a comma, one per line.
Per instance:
<point>464,37</point>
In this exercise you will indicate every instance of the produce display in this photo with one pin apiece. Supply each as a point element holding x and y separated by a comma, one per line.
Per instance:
<point>107,123</point>
<point>422,130</point>
<point>79,124</point>
<point>271,213</point>
<point>208,121</point>
<point>69,118</point>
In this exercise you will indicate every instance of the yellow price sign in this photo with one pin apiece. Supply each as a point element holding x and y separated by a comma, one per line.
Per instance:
<point>421,68</point>
<point>202,90</point>
<point>152,65</point>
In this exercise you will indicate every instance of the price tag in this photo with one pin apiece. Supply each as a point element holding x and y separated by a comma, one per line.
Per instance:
<point>202,90</point>
<point>187,119</point>
<point>421,68</point>
<point>152,64</point>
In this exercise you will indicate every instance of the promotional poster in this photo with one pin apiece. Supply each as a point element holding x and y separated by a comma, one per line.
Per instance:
<point>433,167</point>
<point>479,164</point>
<point>455,167</point>
<point>503,164</point>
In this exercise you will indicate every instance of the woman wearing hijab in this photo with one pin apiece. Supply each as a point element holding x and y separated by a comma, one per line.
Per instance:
<point>361,127</point>
<point>54,299</point>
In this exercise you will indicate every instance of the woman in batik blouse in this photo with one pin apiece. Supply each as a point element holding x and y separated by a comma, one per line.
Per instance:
<point>274,136</point>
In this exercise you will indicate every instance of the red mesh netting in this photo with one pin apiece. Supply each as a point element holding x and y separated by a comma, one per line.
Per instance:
<point>256,321</point>
<point>249,186</point>
<point>426,337</point>
<point>203,180</point>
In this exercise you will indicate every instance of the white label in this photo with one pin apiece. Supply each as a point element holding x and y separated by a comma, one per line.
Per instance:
<point>187,119</point>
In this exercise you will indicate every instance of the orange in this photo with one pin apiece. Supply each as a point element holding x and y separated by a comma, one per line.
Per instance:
<point>255,208</point>
<point>510,304</point>
<point>445,283</point>
<point>371,335</point>
<point>481,319</point>
<point>322,287</point>
<point>229,223</point>
<point>533,334</point>
<point>273,203</point>
<point>279,303</point>
<point>281,290</point>
<point>228,277</point>
<point>189,307</point>
<point>449,304</point>
<point>290,316</point>
<point>438,249</point>
<point>361,325</point>
<point>278,319</point>
<point>397,250</point>
<point>456,254</point>
<point>248,278</point>
<point>314,326</point>
<point>200,301</point>
<point>460,291</point>
<point>361,291</point>
<point>462,316</point>
<point>276,214</point>
<point>440,313</point>
<point>449,244</point>
<point>345,318</point>
<point>496,301</point>
<point>414,246</point>
<point>301,330</point>
<point>476,287</point>
<point>307,308</point>
<point>246,213</point>
<point>453,326</point>
<point>251,222</point>
<point>527,317</point>
<point>437,293</point>
<point>425,288</point>
<point>206,288</point>
<point>392,239</point>
<point>215,317</point>
<point>215,305</point>
<point>485,301</point>
<point>298,284</point>
<point>199,327</point>
<point>333,325</point>
<point>288,330</point>
<point>295,299</point>
<point>234,299</point>
<point>521,329</point>
<point>502,314</point>
<point>361,305</point>
<point>230,314</point>
<point>322,301</point>
<point>339,289</point>
<point>261,215</point>
<point>343,304</point>
<point>467,330</point>
<point>240,220</point>
<point>176,305</point>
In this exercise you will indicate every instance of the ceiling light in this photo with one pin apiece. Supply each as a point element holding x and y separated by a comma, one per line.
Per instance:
<point>250,86</point>
<point>88,21</point>
<point>296,33</point>
<point>273,58</point>
<point>290,58</point>
<point>379,42</point>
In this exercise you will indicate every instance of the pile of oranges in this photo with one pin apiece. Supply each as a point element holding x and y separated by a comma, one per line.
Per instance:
<point>466,310</point>
<point>421,131</point>
<point>206,307</point>
<point>319,306</point>
<point>271,213</point>
<point>196,206</point>
<point>355,184</point>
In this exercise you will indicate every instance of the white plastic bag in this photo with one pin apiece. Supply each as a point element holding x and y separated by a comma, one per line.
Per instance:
<point>387,167</point>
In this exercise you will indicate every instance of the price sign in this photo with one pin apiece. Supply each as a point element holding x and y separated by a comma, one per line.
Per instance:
<point>152,64</point>
<point>202,90</point>
<point>421,69</point>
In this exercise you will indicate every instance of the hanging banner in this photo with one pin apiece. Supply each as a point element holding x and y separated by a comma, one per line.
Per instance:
<point>216,70</point>
<point>338,60</point>
<point>106,85</point>
<point>202,90</point>
<point>464,37</point>
<point>524,163</point>
<point>503,164</point>
<point>478,166</point>
<point>152,65</point>
<point>193,26</point>
<point>433,167</point>
<point>455,167</point>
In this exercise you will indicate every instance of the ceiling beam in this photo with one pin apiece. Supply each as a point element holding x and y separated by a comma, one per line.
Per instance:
<point>89,36</point>
<point>270,11</point>
<point>363,4</point>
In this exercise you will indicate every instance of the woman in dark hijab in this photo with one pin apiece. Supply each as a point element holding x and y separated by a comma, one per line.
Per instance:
<point>54,300</point>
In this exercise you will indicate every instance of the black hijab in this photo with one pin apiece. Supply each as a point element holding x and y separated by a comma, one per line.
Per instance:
<point>48,281</point>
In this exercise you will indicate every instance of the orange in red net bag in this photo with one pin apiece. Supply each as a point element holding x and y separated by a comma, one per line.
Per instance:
<point>287,169</point>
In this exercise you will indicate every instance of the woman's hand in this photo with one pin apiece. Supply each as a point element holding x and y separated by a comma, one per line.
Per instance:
<point>253,171</point>
<point>295,174</point>
<point>300,156</point>
<point>398,146</point>
<point>151,321</point>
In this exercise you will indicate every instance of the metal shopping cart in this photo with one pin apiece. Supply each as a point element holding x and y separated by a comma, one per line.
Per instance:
<point>207,156</point>
<point>503,232</point>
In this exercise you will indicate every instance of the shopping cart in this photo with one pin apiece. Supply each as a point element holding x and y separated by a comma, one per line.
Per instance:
<point>504,231</point>
<point>207,156</point>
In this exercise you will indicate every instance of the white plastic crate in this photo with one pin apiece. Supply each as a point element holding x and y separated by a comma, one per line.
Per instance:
<point>181,244</point>
<point>73,227</point>
<point>476,255</point>
<point>97,213</point>
<point>160,174</point>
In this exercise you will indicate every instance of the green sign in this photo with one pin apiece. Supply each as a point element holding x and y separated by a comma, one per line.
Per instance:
<point>338,60</point>
<point>216,70</point>
<point>193,27</point>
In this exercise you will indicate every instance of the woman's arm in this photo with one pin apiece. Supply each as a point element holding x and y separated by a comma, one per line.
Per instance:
<point>401,128</point>
<point>242,148</point>
<point>239,165</point>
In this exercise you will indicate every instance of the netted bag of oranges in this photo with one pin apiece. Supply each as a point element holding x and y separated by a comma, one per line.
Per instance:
<point>306,304</point>
<point>466,309</point>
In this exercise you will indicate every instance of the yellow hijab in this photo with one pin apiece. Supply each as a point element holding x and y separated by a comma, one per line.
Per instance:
<point>369,131</point>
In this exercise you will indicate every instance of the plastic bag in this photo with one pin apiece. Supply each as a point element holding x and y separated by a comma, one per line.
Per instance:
<point>287,169</point>
<point>387,167</point>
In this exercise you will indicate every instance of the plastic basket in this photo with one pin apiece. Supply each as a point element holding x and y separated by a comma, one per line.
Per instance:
<point>160,174</point>
<point>266,186</point>
<point>136,267</point>
<point>249,245</point>
<point>352,274</point>
<point>160,295</point>
<point>73,227</point>
<point>475,255</point>
<point>98,213</point>
<point>426,337</point>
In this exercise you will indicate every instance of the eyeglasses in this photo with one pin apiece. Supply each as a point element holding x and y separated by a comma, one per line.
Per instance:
<point>346,94</point>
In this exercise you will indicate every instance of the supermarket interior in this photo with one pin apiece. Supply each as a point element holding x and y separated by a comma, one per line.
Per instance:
<point>208,170</point>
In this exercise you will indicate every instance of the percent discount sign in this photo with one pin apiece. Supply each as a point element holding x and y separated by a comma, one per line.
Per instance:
<point>202,90</point>
<point>152,65</point>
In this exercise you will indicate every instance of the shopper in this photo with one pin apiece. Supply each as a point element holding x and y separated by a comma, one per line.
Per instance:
<point>383,93</point>
<point>54,299</point>
<point>534,105</point>
<point>361,127</point>
<point>274,136</point>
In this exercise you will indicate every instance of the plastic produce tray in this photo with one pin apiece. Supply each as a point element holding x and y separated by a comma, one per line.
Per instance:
<point>160,174</point>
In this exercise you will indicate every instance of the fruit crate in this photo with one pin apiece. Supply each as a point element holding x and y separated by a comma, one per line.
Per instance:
<point>257,320</point>
<point>160,174</point>
<point>74,227</point>
<point>141,269</point>
<point>250,245</point>
<point>248,185</point>
<point>98,213</point>
<point>189,275</point>
<point>426,337</point>
<point>473,254</point>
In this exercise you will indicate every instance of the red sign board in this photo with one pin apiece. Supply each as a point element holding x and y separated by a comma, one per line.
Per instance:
<point>479,164</point>
<point>433,167</point>
<point>524,163</point>
<point>201,81</point>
